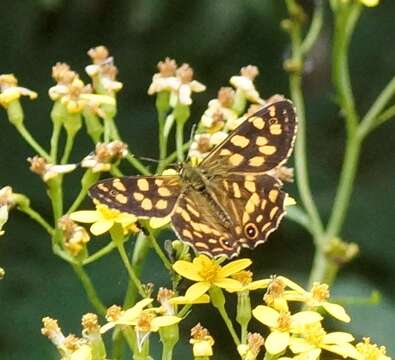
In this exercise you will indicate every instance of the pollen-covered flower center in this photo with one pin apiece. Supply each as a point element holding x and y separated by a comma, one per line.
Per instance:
<point>244,276</point>
<point>210,271</point>
<point>284,321</point>
<point>314,333</point>
<point>320,292</point>
<point>370,351</point>
<point>108,214</point>
<point>144,322</point>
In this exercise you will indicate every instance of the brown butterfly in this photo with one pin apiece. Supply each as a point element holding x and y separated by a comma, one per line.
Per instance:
<point>229,200</point>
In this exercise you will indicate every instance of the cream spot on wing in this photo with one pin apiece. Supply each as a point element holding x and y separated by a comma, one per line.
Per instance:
<point>263,204</point>
<point>250,186</point>
<point>275,129</point>
<point>198,234</point>
<point>240,141</point>
<point>138,196</point>
<point>267,149</point>
<point>193,211</point>
<point>195,225</point>
<point>250,206</point>
<point>163,191</point>
<point>265,226</point>
<point>143,184</point>
<point>103,187</point>
<point>117,184</point>
<point>212,241</point>
<point>236,190</point>
<point>187,234</point>
<point>158,182</point>
<point>238,230</point>
<point>273,195</point>
<point>255,199</point>
<point>272,111</point>
<point>256,161</point>
<point>161,204</point>
<point>202,245</point>
<point>246,218</point>
<point>261,140</point>
<point>206,229</point>
<point>185,215</point>
<point>146,204</point>
<point>236,159</point>
<point>121,199</point>
<point>273,212</point>
<point>259,218</point>
<point>225,152</point>
<point>258,123</point>
<point>226,185</point>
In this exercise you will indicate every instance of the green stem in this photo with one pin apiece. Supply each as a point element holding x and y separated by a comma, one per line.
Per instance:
<point>132,275</point>
<point>180,140</point>
<point>100,253</point>
<point>57,126</point>
<point>138,165</point>
<point>32,142</point>
<point>89,289</point>
<point>315,27</point>
<point>373,117</point>
<point>323,270</point>
<point>159,252</point>
<point>344,190</point>
<point>56,195</point>
<point>302,178</point>
<point>68,148</point>
<point>38,218</point>
<point>162,137</point>
<point>218,300</point>
<point>345,21</point>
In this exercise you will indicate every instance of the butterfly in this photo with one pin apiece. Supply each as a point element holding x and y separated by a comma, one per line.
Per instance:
<point>231,199</point>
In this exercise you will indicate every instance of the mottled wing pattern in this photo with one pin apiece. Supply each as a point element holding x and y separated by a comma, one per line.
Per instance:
<point>238,211</point>
<point>143,196</point>
<point>262,142</point>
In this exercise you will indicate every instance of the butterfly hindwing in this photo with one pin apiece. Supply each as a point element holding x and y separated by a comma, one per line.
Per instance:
<point>237,211</point>
<point>143,196</point>
<point>262,142</point>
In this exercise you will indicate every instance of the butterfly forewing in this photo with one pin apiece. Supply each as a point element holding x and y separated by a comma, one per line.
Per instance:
<point>143,196</point>
<point>262,142</point>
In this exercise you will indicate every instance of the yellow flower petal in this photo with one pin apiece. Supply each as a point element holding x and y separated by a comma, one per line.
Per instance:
<point>162,321</point>
<point>85,216</point>
<point>197,290</point>
<point>259,284</point>
<point>370,3</point>
<point>187,270</point>
<point>289,201</point>
<point>234,267</point>
<point>311,355</point>
<point>107,327</point>
<point>346,350</point>
<point>231,284</point>
<point>266,315</point>
<point>305,317</point>
<point>338,337</point>
<point>277,342</point>
<point>101,227</point>
<point>83,353</point>
<point>156,223</point>
<point>125,218</point>
<point>336,311</point>
<point>133,312</point>
<point>181,300</point>
<point>291,284</point>
<point>169,172</point>
<point>300,345</point>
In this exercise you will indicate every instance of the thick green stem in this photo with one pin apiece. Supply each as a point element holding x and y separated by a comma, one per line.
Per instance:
<point>138,165</point>
<point>99,253</point>
<point>38,218</point>
<point>57,127</point>
<point>323,270</point>
<point>89,289</point>
<point>180,140</point>
<point>68,148</point>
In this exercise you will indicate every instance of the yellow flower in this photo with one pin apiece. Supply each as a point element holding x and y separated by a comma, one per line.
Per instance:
<point>103,219</point>
<point>317,297</point>
<point>250,351</point>
<point>370,3</point>
<point>281,325</point>
<point>207,273</point>
<point>202,341</point>
<point>75,236</point>
<point>245,278</point>
<point>314,339</point>
<point>368,351</point>
<point>10,91</point>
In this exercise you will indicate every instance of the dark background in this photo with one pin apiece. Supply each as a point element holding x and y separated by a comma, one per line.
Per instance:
<point>216,37</point>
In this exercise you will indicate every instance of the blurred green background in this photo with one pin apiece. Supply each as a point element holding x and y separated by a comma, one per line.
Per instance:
<point>216,37</point>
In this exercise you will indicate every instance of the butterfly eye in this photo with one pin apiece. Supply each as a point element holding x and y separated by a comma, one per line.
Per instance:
<point>251,231</point>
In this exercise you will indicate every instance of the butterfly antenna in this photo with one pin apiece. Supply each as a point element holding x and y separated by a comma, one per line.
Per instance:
<point>156,161</point>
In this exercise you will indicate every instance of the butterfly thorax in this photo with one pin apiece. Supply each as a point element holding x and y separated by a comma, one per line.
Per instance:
<point>199,179</point>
